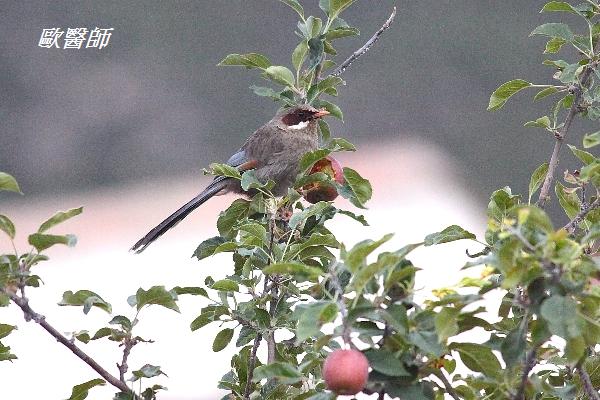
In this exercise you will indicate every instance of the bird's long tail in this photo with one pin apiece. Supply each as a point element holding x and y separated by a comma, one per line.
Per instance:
<point>215,187</point>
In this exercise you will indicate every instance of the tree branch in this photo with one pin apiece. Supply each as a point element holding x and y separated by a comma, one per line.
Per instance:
<point>251,365</point>
<point>29,314</point>
<point>587,384</point>
<point>530,361</point>
<point>574,223</point>
<point>123,367</point>
<point>448,386</point>
<point>343,66</point>
<point>339,297</point>
<point>560,135</point>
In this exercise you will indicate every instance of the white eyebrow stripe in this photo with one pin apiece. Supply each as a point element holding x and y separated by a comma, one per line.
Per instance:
<point>300,125</point>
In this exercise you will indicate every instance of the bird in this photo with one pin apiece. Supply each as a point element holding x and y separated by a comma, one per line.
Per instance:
<point>273,151</point>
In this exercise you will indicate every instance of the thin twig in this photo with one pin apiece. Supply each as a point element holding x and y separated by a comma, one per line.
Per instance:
<point>251,365</point>
<point>587,384</point>
<point>529,363</point>
<point>438,373</point>
<point>274,290</point>
<point>340,70</point>
<point>41,320</point>
<point>574,223</point>
<point>339,297</point>
<point>560,135</point>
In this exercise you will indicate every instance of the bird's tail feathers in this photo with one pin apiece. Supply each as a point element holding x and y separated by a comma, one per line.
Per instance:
<point>214,188</point>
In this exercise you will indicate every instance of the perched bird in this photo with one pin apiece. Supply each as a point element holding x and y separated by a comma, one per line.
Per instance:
<point>273,151</point>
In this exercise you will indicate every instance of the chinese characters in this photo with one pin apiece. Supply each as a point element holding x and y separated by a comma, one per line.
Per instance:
<point>75,38</point>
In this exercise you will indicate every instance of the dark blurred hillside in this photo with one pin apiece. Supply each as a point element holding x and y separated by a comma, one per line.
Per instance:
<point>154,103</point>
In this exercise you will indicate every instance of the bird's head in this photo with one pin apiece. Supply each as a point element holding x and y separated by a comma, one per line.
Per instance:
<point>300,117</point>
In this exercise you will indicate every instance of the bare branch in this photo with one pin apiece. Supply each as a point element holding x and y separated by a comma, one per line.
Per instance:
<point>574,223</point>
<point>29,314</point>
<point>560,135</point>
<point>343,66</point>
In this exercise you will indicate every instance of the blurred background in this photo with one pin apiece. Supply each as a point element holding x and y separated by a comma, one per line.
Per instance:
<point>125,131</point>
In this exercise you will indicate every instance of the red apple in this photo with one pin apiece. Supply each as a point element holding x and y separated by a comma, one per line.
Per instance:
<point>321,191</point>
<point>346,371</point>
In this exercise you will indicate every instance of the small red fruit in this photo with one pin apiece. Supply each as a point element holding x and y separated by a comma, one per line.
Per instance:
<point>320,191</point>
<point>346,371</point>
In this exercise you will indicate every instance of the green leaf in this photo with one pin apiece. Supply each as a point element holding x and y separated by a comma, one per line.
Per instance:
<point>226,224</point>
<point>195,291</point>
<point>340,144</point>
<point>5,354</point>
<point>281,75</point>
<point>7,226</point>
<point>226,285</point>
<point>385,362</point>
<point>542,122</point>
<point>207,248</point>
<point>553,46</point>
<point>80,392</point>
<point>479,358</point>
<point>561,316</point>
<point>537,178</point>
<point>255,230</point>
<point>295,6</point>
<point>123,321</point>
<point>157,295</point>
<point>42,241</point>
<point>504,92</point>
<point>294,268</point>
<point>333,109</point>
<point>336,7</point>
<point>591,140</point>
<point>568,200</point>
<point>355,259</point>
<point>59,217</point>
<point>313,26</point>
<point>6,329</point>
<point>514,345</point>
<point>8,183</point>
<point>85,298</point>
<point>316,48</point>
<point>356,188</point>
<point>315,209</point>
<point>250,181</point>
<point>222,339</point>
<point>285,373</point>
<point>225,170</point>
<point>450,234</point>
<point>310,158</point>
<point>555,30</point>
<point>312,316</point>
<point>324,130</point>
<point>584,156</point>
<point>446,323</point>
<point>427,341</point>
<point>299,54</point>
<point>559,6</point>
<point>545,93</point>
<point>147,371</point>
<point>316,239</point>
<point>250,60</point>
<point>341,32</point>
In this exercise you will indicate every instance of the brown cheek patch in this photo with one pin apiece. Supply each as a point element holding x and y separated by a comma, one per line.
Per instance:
<point>291,119</point>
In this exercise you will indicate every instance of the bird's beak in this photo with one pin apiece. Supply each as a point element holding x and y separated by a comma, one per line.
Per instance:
<point>321,113</point>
